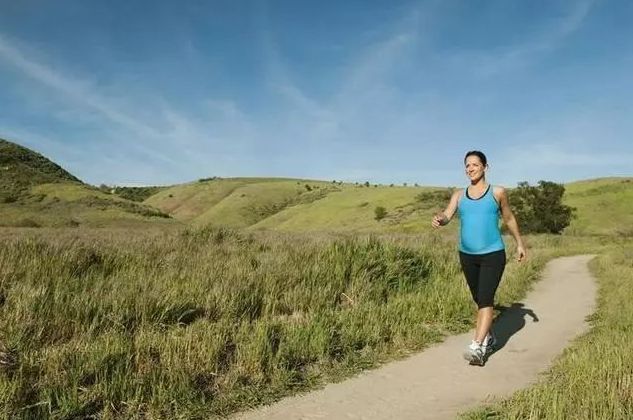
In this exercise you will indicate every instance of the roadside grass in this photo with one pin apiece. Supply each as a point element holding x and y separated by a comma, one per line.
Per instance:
<point>204,322</point>
<point>593,378</point>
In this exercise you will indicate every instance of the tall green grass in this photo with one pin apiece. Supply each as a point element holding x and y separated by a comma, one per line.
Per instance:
<point>207,322</point>
<point>593,379</point>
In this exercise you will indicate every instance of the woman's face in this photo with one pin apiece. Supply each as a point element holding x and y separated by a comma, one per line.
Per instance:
<point>475,170</point>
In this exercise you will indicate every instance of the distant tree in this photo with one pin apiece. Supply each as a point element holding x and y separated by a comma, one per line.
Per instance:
<point>391,185</point>
<point>404,184</point>
<point>375,185</point>
<point>366,183</point>
<point>211,178</point>
<point>380,213</point>
<point>540,209</point>
<point>307,187</point>
<point>416,185</point>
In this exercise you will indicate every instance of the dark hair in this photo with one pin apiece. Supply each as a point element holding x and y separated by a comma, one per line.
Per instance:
<point>479,154</point>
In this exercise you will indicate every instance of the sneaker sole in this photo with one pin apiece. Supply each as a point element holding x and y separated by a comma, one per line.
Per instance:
<point>473,359</point>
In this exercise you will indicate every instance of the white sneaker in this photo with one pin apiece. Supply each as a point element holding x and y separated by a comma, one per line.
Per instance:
<point>489,343</point>
<point>475,354</point>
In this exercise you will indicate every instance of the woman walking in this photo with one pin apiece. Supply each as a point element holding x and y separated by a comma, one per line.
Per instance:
<point>481,248</point>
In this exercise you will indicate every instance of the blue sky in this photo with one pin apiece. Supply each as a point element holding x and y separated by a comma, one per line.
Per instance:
<point>161,92</point>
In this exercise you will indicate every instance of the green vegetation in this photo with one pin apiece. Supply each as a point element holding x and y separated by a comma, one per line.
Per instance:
<point>173,322</point>
<point>603,207</point>
<point>380,213</point>
<point>593,379</point>
<point>352,210</point>
<point>36,192</point>
<point>138,194</point>
<point>21,168</point>
<point>71,205</point>
<point>540,209</point>
<point>208,321</point>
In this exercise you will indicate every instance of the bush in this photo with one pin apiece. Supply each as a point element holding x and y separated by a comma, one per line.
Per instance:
<point>27,222</point>
<point>380,213</point>
<point>539,209</point>
<point>435,198</point>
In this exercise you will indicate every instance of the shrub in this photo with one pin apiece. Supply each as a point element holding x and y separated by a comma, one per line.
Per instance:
<point>429,199</point>
<point>26,222</point>
<point>380,213</point>
<point>539,209</point>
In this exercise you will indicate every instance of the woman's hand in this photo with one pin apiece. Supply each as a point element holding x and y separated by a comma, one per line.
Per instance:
<point>521,253</point>
<point>439,219</point>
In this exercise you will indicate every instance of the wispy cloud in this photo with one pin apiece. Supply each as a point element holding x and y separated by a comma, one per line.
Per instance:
<point>168,131</point>
<point>73,89</point>
<point>491,63</point>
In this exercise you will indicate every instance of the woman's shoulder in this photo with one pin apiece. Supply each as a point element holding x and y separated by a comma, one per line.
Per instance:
<point>498,189</point>
<point>457,193</point>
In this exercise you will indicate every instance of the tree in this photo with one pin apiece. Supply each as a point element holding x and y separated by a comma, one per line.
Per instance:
<point>540,209</point>
<point>380,213</point>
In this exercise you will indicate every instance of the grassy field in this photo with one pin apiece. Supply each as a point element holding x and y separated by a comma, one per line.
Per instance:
<point>73,204</point>
<point>147,318</point>
<point>35,192</point>
<point>205,322</point>
<point>593,379</point>
<point>604,206</point>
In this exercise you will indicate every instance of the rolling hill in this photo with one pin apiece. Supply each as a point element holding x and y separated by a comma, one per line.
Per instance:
<point>298,205</point>
<point>603,206</point>
<point>35,191</point>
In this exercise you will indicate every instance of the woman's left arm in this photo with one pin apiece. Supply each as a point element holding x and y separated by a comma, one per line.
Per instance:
<point>510,221</point>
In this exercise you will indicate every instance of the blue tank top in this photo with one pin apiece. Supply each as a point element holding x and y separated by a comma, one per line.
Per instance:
<point>479,223</point>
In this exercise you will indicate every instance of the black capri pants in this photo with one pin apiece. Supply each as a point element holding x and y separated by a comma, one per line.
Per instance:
<point>483,274</point>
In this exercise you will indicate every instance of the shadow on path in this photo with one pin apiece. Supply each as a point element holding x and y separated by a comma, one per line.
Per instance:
<point>509,322</point>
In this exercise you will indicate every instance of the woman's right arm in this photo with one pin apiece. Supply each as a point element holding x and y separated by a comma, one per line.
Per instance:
<point>442,218</point>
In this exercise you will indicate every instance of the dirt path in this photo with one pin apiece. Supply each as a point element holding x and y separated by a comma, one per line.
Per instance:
<point>438,384</point>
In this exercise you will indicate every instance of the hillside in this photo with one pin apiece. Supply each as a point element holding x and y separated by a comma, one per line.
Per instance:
<point>299,205</point>
<point>35,191</point>
<point>22,168</point>
<point>237,202</point>
<point>603,206</point>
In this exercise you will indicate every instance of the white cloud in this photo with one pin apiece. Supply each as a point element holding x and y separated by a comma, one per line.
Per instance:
<point>491,63</point>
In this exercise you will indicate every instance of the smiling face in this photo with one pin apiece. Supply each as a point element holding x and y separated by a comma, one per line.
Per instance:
<point>475,169</point>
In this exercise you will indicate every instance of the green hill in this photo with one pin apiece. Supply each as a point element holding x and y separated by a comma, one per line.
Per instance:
<point>35,191</point>
<point>22,168</point>
<point>299,205</point>
<point>237,202</point>
<point>603,206</point>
